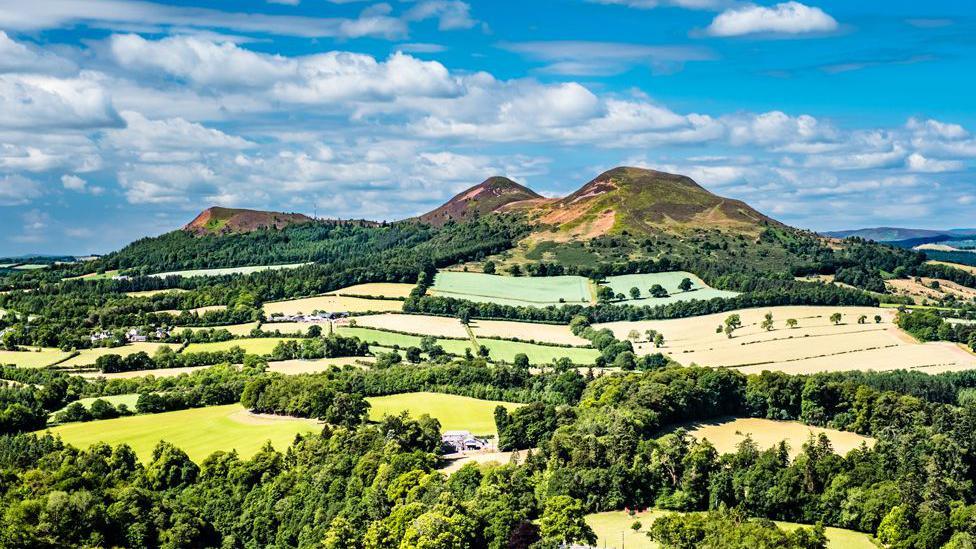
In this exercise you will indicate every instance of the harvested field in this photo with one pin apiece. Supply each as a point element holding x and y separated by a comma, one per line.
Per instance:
<point>33,357</point>
<point>160,372</point>
<point>198,310</point>
<point>87,357</point>
<point>198,431</point>
<point>235,329</point>
<point>613,531</point>
<point>332,304</point>
<point>297,328</point>
<point>253,346</point>
<point>392,339</point>
<point>669,281</point>
<point>538,354</point>
<point>228,271</point>
<point>377,289</point>
<point>726,434</point>
<point>438,326</point>
<point>968,268</point>
<point>815,345</point>
<point>454,412</point>
<point>510,290</point>
<point>292,367</point>
<point>923,290</point>
<point>150,293</point>
<point>542,333</point>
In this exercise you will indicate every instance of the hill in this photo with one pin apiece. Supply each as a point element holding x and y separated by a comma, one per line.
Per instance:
<point>217,220</point>
<point>486,197</point>
<point>643,202</point>
<point>895,234</point>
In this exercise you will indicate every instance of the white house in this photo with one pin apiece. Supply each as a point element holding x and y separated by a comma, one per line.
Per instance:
<point>462,441</point>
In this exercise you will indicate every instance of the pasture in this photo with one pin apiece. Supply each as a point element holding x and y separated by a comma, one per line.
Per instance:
<point>613,531</point>
<point>377,289</point>
<point>508,290</point>
<point>295,328</point>
<point>455,413</point>
<point>816,344</point>
<point>331,303</point>
<point>726,434</point>
<point>234,329</point>
<point>438,326</point>
<point>87,357</point>
<point>198,431</point>
<point>251,346</point>
<point>920,291</point>
<point>669,281</point>
<point>538,354</point>
<point>129,399</point>
<point>33,357</point>
<point>558,334</point>
<point>393,339</point>
<point>31,267</point>
<point>228,271</point>
<point>107,275</point>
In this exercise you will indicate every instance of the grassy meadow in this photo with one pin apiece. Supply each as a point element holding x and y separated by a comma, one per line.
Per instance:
<point>508,290</point>
<point>538,354</point>
<point>331,303</point>
<point>726,434</point>
<point>253,346</point>
<point>33,357</point>
<point>454,412</point>
<point>198,431</point>
<point>87,357</point>
<point>377,289</point>
<point>669,281</point>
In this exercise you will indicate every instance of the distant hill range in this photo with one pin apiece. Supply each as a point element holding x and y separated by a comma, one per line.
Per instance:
<point>635,200</point>
<point>895,234</point>
<point>217,220</point>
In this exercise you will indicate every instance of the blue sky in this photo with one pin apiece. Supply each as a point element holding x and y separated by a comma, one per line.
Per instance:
<point>122,119</point>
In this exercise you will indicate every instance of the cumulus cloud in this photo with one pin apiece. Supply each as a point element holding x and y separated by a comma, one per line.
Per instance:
<point>450,14</point>
<point>785,18</point>
<point>16,190</point>
<point>171,134</point>
<point>918,163</point>
<point>604,58</point>
<point>39,101</point>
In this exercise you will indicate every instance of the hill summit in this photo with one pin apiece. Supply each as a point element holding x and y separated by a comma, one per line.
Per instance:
<point>486,197</point>
<point>217,220</point>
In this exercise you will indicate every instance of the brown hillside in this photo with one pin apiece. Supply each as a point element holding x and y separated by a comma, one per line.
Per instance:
<point>489,196</point>
<point>217,220</point>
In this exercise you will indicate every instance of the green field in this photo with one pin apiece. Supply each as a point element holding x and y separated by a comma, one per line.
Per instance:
<point>670,281</point>
<point>252,346</point>
<point>390,339</point>
<point>456,413</point>
<point>199,431</point>
<point>508,290</point>
<point>228,271</point>
<point>31,266</point>
<point>614,526</point>
<point>87,357</point>
<point>129,399</point>
<point>538,354</point>
<point>32,358</point>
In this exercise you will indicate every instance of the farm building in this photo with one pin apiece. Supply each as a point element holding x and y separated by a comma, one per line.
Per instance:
<point>462,441</point>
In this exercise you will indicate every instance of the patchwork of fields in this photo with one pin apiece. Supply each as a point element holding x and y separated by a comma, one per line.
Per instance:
<point>816,344</point>
<point>455,413</point>
<point>198,431</point>
<point>726,434</point>
<point>234,329</point>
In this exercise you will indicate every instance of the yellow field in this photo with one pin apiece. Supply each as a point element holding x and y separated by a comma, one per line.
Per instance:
<point>198,310</point>
<point>415,324</point>
<point>815,345</point>
<point>453,411</point>
<point>161,372</point>
<point>923,290</point>
<point>235,329</point>
<point>378,289</point>
<point>87,357</point>
<point>968,268</point>
<point>32,358</point>
<point>293,367</point>
<point>150,293</point>
<point>480,457</point>
<point>613,531</point>
<point>297,328</point>
<point>331,304</point>
<point>726,434</point>
<point>542,333</point>
<point>254,346</point>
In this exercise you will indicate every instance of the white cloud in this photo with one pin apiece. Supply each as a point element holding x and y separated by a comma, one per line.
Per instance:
<point>18,57</point>
<point>605,58</point>
<point>16,190</point>
<point>918,163</point>
<point>651,4</point>
<point>37,101</point>
<point>450,14</point>
<point>77,184</point>
<point>785,18</point>
<point>174,134</point>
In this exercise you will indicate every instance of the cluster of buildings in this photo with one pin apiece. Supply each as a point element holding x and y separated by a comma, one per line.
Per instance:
<point>456,442</point>
<point>133,335</point>
<point>318,316</point>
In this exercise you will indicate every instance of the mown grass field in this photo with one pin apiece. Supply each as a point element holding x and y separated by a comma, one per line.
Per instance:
<point>669,281</point>
<point>87,357</point>
<point>252,346</point>
<point>235,329</point>
<point>726,434</point>
<point>228,271</point>
<point>331,303</point>
<point>377,289</point>
<point>613,531</point>
<point>129,399</point>
<point>390,339</point>
<point>32,358</point>
<point>95,276</point>
<point>542,333</point>
<point>198,431</point>
<point>419,324</point>
<point>456,413</point>
<point>508,290</point>
<point>538,354</point>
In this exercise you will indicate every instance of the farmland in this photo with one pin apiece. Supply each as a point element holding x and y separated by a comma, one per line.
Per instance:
<point>107,275</point>
<point>506,290</point>
<point>558,334</point>
<point>292,367</point>
<point>967,268</point>
<point>726,434</point>
<point>228,271</point>
<point>392,339</point>
<point>816,344</point>
<point>151,293</point>
<point>33,357</point>
<point>254,346</point>
<point>129,399</point>
<point>377,289</point>
<point>198,310</point>
<point>929,288</point>
<point>296,328</point>
<point>613,530</point>
<point>538,354</point>
<point>234,329</point>
<point>437,326</point>
<point>669,281</point>
<point>331,303</point>
<point>87,357</point>
<point>198,431</point>
<point>454,412</point>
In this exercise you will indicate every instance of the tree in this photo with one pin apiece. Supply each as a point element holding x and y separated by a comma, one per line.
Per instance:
<point>563,522</point>
<point>732,322</point>
<point>659,340</point>
<point>877,319</point>
<point>634,292</point>
<point>791,323</point>
<point>413,354</point>
<point>314,331</point>
<point>836,318</point>
<point>489,267</point>
<point>863,319</point>
<point>515,270</point>
<point>650,334</point>
<point>767,323</point>
<point>604,294</point>
<point>658,291</point>
<point>633,335</point>
<point>521,361</point>
<point>685,285</point>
